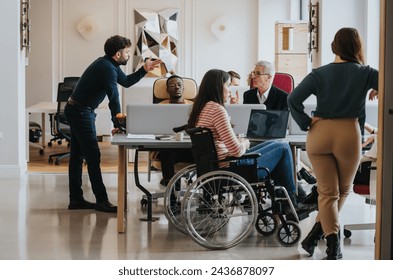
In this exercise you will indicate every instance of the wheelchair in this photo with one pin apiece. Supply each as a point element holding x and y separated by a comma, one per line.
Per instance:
<point>218,207</point>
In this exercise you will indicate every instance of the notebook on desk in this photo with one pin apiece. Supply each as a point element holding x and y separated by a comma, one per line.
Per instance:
<point>267,124</point>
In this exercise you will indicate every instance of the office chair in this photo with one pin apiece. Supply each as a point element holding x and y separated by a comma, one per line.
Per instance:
<point>284,81</point>
<point>368,191</point>
<point>69,83</point>
<point>61,127</point>
<point>160,94</point>
<point>35,132</point>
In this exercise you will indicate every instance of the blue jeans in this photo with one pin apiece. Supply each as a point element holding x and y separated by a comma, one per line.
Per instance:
<point>277,157</point>
<point>84,145</point>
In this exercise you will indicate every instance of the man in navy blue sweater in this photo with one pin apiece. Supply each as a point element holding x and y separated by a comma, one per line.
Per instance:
<point>98,81</point>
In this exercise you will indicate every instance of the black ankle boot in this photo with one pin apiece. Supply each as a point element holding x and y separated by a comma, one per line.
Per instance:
<point>333,247</point>
<point>312,197</point>
<point>311,241</point>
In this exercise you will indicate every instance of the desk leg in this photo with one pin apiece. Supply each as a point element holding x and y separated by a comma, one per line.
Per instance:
<point>43,115</point>
<point>145,191</point>
<point>294,156</point>
<point>121,188</point>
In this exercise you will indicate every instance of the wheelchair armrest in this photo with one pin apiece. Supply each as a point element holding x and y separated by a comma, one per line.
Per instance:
<point>193,130</point>
<point>180,128</point>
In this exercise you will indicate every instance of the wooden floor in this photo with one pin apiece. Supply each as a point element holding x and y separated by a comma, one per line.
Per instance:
<point>39,163</point>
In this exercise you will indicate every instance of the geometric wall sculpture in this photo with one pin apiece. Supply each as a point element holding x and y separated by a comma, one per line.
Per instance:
<point>157,36</point>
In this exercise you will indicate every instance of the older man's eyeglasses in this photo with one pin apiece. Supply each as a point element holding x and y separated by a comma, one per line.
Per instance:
<point>258,73</point>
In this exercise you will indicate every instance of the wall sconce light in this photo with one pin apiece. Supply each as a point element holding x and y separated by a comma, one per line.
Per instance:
<point>88,28</point>
<point>313,20</point>
<point>25,26</point>
<point>220,28</point>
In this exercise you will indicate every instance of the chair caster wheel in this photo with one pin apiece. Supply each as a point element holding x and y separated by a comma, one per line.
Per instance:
<point>347,233</point>
<point>143,202</point>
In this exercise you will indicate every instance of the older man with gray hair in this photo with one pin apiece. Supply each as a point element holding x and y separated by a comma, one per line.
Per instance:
<point>262,91</point>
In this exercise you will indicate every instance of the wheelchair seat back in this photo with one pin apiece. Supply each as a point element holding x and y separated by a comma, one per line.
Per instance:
<point>203,150</point>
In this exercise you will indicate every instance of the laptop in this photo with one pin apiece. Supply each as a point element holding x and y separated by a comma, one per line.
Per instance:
<point>267,124</point>
<point>239,115</point>
<point>158,119</point>
<point>294,127</point>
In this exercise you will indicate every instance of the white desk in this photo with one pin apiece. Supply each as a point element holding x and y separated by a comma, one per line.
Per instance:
<point>42,108</point>
<point>103,119</point>
<point>123,144</point>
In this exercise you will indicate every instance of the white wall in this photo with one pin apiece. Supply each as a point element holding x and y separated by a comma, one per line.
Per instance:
<point>237,51</point>
<point>360,14</point>
<point>12,107</point>
<point>268,13</point>
<point>39,73</point>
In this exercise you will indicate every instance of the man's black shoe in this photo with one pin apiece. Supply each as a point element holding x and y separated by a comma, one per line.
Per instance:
<point>106,207</point>
<point>84,204</point>
<point>304,174</point>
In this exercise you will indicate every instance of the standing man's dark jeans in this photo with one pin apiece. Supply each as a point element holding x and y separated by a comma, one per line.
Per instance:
<point>84,144</point>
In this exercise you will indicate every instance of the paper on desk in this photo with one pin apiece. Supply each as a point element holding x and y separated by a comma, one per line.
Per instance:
<point>140,136</point>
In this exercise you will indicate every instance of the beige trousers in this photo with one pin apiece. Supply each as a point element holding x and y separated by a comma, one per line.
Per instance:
<point>334,149</point>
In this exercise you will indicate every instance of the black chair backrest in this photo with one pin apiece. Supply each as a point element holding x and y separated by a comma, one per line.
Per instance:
<point>66,88</point>
<point>203,150</point>
<point>64,91</point>
<point>71,81</point>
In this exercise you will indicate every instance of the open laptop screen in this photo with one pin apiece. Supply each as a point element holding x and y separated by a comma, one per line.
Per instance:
<point>267,124</point>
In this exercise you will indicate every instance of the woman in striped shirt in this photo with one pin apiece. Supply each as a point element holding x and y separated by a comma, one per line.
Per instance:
<point>208,111</point>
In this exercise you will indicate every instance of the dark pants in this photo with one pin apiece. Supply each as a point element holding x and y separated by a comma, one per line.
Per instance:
<point>169,158</point>
<point>84,145</point>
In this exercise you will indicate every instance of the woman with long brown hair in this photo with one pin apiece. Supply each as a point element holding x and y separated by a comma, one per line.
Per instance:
<point>340,88</point>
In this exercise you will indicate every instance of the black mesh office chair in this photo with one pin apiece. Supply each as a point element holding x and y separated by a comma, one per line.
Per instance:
<point>60,126</point>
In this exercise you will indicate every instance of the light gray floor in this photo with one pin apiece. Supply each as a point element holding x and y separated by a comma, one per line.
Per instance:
<point>35,224</point>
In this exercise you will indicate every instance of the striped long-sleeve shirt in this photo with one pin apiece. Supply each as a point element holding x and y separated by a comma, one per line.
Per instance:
<point>215,117</point>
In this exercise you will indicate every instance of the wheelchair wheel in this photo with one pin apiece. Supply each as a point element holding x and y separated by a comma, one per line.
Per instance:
<point>266,224</point>
<point>347,233</point>
<point>219,210</point>
<point>174,193</point>
<point>288,234</point>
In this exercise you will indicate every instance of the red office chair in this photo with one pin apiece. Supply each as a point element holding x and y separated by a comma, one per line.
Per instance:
<point>284,81</point>
<point>368,191</point>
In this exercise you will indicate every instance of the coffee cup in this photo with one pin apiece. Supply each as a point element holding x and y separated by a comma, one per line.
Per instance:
<point>179,136</point>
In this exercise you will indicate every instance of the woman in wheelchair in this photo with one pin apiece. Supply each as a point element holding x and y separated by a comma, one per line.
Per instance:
<point>208,111</point>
